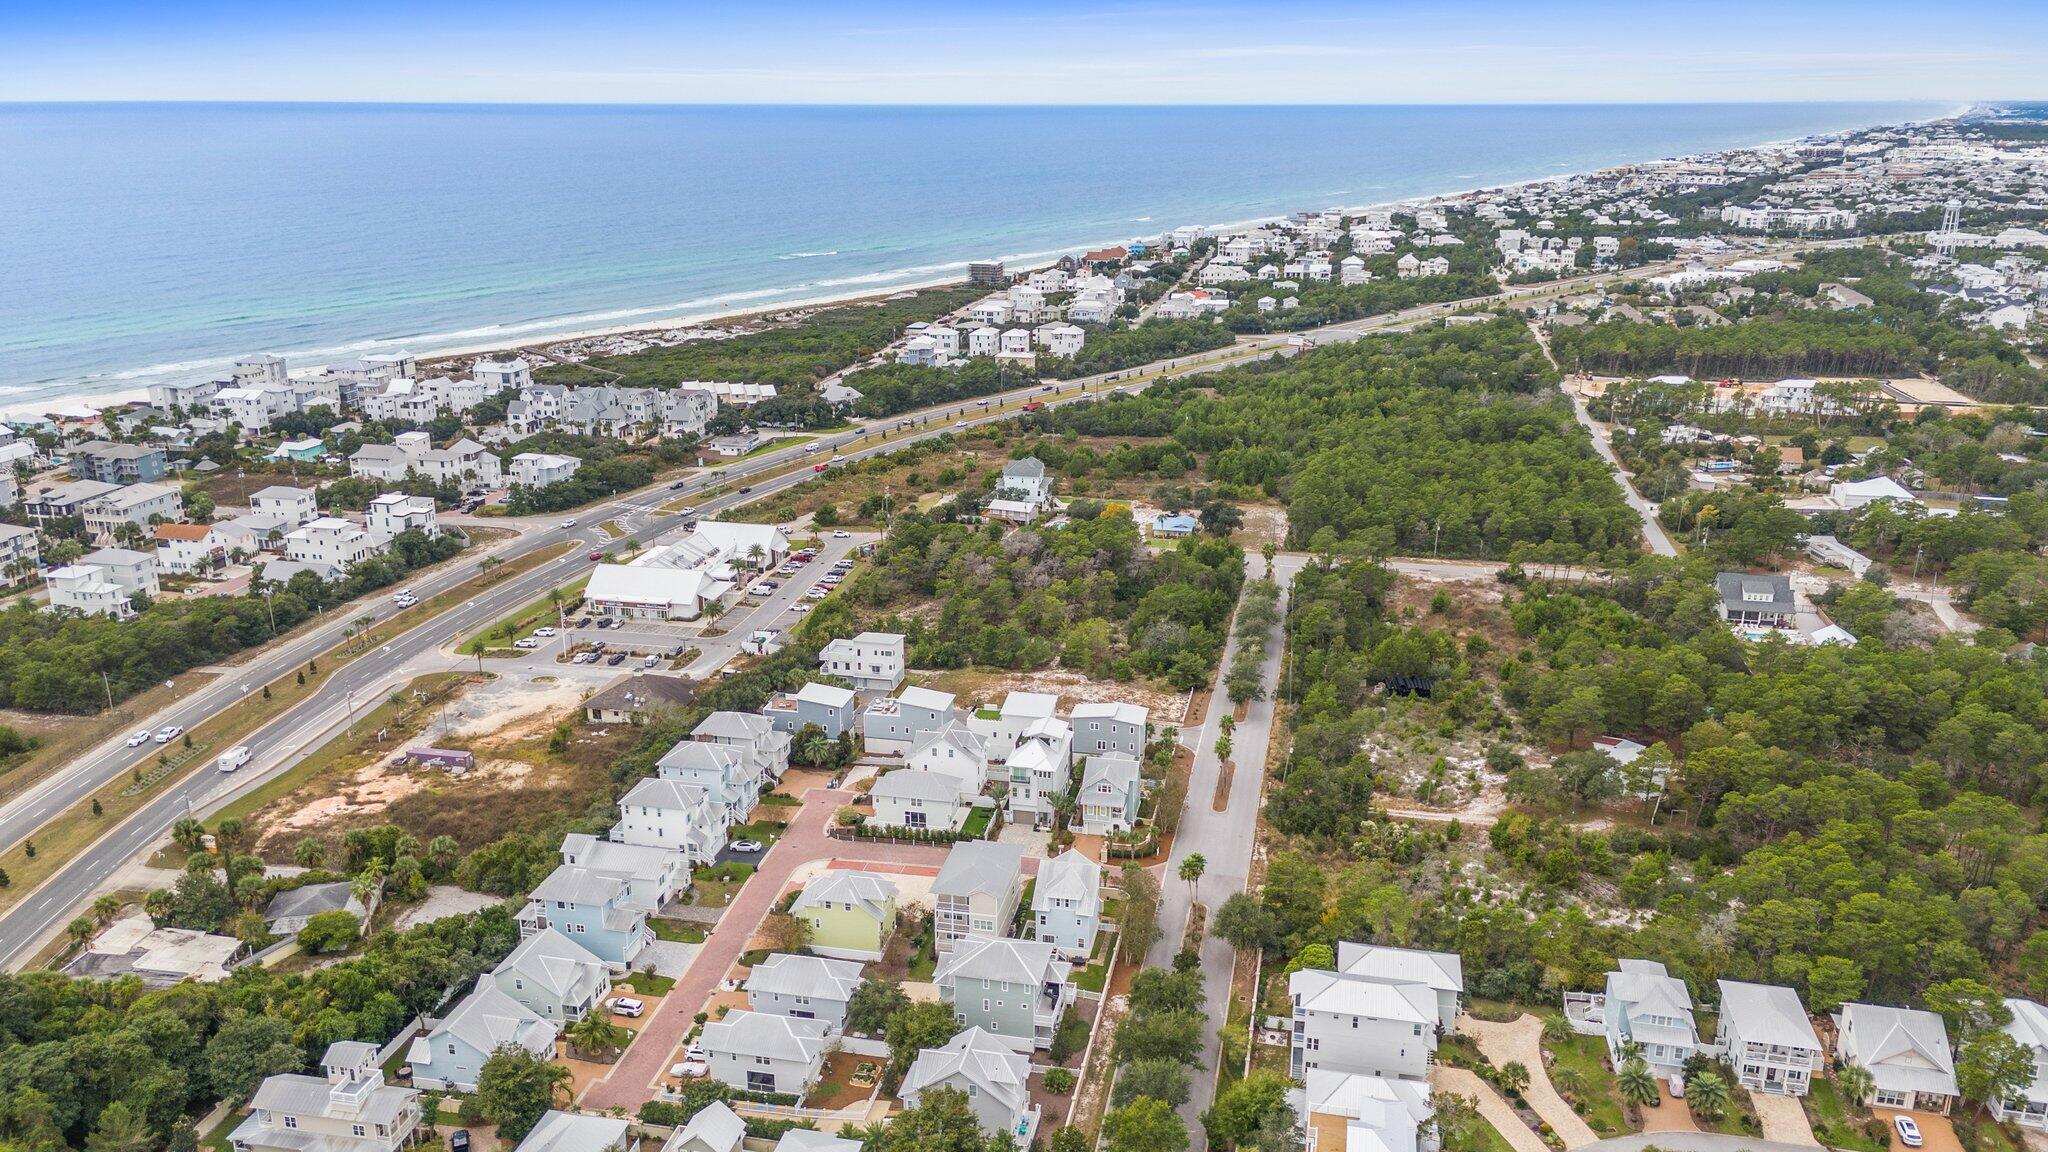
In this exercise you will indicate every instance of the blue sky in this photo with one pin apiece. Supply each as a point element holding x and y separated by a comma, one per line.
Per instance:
<point>1051,51</point>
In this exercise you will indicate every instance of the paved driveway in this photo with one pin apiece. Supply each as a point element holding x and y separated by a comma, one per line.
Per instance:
<point>1668,1115</point>
<point>1936,1133</point>
<point>1521,1041</point>
<point>1784,1119</point>
<point>1493,1109</point>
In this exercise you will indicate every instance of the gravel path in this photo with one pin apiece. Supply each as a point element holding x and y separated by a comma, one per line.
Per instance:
<point>1522,1041</point>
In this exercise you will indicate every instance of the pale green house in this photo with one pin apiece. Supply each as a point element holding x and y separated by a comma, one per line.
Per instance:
<point>850,914</point>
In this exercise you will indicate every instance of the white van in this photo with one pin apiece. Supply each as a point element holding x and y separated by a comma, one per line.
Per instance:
<point>233,758</point>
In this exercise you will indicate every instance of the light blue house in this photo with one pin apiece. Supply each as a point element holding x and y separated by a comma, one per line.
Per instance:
<point>1111,791</point>
<point>1015,989</point>
<point>592,909</point>
<point>1173,524</point>
<point>828,707</point>
<point>1066,903</point>
<point>892,724</point>
<point>453,1054</point>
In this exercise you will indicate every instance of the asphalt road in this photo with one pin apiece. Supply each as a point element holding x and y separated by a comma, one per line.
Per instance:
<point>1223,838</point>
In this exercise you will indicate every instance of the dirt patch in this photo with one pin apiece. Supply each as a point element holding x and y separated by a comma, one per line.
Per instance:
<point>1263,524</point>
<point>978,686</point>
<point>508,710</point>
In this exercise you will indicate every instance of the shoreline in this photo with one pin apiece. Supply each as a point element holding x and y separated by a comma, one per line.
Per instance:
<point>718,311</point>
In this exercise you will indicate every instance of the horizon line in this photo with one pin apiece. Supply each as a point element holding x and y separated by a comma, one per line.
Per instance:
<point>224,102</point>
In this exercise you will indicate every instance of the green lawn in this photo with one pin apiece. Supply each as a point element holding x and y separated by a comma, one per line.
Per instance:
<point>647,983</point>
<point>1978,1133</point>
<point>217,1139</point>
<point>762,830</point>
<point>924,961</point>
<point>1586,1056</point>
<point>716,884</point>
<point>676,931</point>
<point>977,823</point>
<point>1835,1124</point>
<point>539,613</point>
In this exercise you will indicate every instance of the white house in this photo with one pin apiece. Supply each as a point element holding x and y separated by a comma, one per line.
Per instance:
<point>329,543</point>
<point>1443,973</point>
<point>394,512</point>
<point>347,1108</point>
<point>913,798</point>
<point>190,548</point>
<point>953,751</point>
<point>1061,339</point>
<point>805,987</point>
<point>1768,1038</point>
<point>644,592</point>
<point>1346,1112</point>
<point>540,469</point>
<point>726,774</point>
<point>102,582</point>
<point>664,813</point>
<point>1040,771</point>
<point>764,1052</point>
<point>1066,904</point>
<point>871,661</point>
<point>294,505</point>
<point>1348,1023</point>
<point>502,375</point>
<point>1647,1007</point>
<point>2030,1027</point>
<point>576,1132</point>
<point>1849,494</point>
<point>715,1128</point>
<point>136,504</point>
<point>654,876</point>
<point>1906,1052</point>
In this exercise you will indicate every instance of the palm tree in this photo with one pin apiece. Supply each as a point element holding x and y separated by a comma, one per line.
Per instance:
<point>1191,868</point>
<point>1514,1077</point>
<point>1568,1080</point>
<point>104,907</point>
<point>188,834</point>
<point>1708,1095</point>
<point>157,905</point>
<point>1556,1029</point>
<point>1638,1085</point>
<point>1855,1082</point>
<point>80,930</point>
<point>596,1033</point>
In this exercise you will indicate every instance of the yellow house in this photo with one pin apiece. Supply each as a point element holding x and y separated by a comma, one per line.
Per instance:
<point>850,914</point>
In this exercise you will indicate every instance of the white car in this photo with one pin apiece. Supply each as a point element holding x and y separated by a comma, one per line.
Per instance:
<point>168,733</point>
<point>548,631</point>
<point>799,608</point>
<point>746,845</point>
<point>959,423</point>
<point>627,1006</point>
<point>402,596</point>
<point>689,1068</point>
<point>819,593</point>
<point>568,524</point>
<point>528,642</point>
<point>405,601</point>
<point>1909,1132</point>
<point>139,739</point>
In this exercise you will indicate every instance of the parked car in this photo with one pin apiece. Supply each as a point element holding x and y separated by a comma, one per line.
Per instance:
<point>1678,1085</point>
<point>627,1006</point>
<point>458,1141</point>
<point>650,661</point>
<point>168,733</point>
<point>765,585</point>
<point>747,846</point>
<point>617,659</point>
<point>799,608</point>
<point>548,630</point>
<point>1909,1132</point>
<point>580,658</point>
<point>527,642</point>
<point>139,739</point>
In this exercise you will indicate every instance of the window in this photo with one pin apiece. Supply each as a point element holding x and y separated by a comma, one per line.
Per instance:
<point>984,1004</point>
<point>291,1121</point>
<point>760,1081</point>
<point>356,1130</point>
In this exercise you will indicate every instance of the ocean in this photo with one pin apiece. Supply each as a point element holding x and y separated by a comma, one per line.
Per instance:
<point>147,242</point>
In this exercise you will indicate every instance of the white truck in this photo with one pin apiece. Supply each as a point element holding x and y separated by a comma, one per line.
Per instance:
<point>233,758</point>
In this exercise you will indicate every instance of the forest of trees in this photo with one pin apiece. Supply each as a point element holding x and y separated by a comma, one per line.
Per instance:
<point>1448,441</point>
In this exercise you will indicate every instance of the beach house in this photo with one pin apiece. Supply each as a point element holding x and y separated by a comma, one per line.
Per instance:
<point>828,706</point>
<point>1110,793</point>
<point>453,1054</point>
<point>1767,1037</point>
<point>1015,989</point>
<point>891,725</point>
<point>724,772</point>
<point>1646,1007</point>
<point>850,915</point>
<point>1359,1024</point>
<point>983,1068</point>
<point>763,1052</point>
<point>1040,771</point>
<point>347,1108</point>
<point>715,1128</point>
<point>1906,1052</point>
<point>1066,904</point>
<point>917,799</point>
<point>592,909</point>
<point>659,812</point>
<point>295,506</point>
<point>1110,727</point>
<point>555,977</point>
<point>1347,1112</point>
<point>871,661</point>
<point>2029,1026</point>
<point>806,987</point>
<point>759,742</point>
<point>976,892</point>
<point>654,876</point>
<point>576,1132</point>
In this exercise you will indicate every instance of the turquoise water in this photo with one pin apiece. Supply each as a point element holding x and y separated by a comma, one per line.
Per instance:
<point>145,242</point>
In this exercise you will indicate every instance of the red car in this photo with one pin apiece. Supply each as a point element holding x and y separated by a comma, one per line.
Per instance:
<point>597,555</point>
<point>819,467</point>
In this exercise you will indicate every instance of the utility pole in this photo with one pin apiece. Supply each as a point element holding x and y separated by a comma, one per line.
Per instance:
<point>109,686</point>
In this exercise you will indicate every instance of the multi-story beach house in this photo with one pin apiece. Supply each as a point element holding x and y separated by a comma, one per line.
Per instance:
<point>653,876</point>
<point>1110,727</point>
<point>347,1108</point>
<point>828,706</point>
<point>2029,1026</point>
<point>1767,1037</point>
<point>395,513</point>
<point>1066,903</point>
<point>1108,799</point>
<point>555,977</point>
<point>1040,772</point>
<point>976,892</point>
<point>806,987</point>
<point>1647,1007</point>
<point>765,748</point>
<point>1359,1024</point>
<point>659,812</point>
<point>983,1068</point>
<point>725,773</point>
<point>891,725</point>
<point>914,798</point>
<point>850,915</point>
<point>871,661</point>
<point>112,463</point>
<point>763,1052</point>
<point>1015,989</point>
<point>453,1054</point>
<point>1906,1052</point>
<point>592,909</point>
<point>296,506</point>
